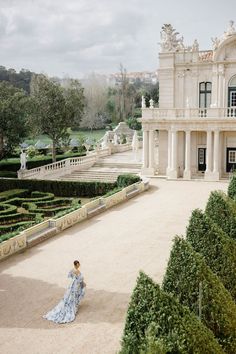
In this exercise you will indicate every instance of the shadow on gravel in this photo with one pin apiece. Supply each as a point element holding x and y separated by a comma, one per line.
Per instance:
<point>23,302</point>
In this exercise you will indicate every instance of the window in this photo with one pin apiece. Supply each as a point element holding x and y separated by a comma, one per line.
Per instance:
<point>233,99</point>
<point>204,94</point>
<point>232,156</point>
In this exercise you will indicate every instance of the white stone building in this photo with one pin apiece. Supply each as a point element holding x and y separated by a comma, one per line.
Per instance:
<point>196,118</point>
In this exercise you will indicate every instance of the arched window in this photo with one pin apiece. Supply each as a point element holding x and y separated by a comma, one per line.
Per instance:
<point>204,94</point>
<point>232,92</point>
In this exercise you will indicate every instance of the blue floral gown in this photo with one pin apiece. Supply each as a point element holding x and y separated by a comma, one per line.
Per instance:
<point>65,311</point>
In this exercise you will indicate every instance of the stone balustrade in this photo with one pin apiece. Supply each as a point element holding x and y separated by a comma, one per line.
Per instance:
<point>68,165</point>
<point>21,242</point>
<point>188,113</point>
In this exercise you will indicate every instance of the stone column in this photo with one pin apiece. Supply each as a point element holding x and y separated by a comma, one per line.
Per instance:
<point>168,153</point>
<point>151,149</point>
<point>187,169</point>
<point>216,174</point>
<point>173,173</point>
<point>208,172</point>
<point>145,149</point>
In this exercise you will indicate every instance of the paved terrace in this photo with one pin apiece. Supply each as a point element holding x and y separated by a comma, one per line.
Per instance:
<point>112,248</point>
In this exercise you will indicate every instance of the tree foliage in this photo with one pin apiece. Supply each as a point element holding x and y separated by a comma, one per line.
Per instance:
<point>232,188</point>
<point>14,113</point>
<point>157,323</point>
<point>20,80</point>
<point>218,249</point>
<point>194,284</point>
<point>56,108</point>
<point>222,210</point>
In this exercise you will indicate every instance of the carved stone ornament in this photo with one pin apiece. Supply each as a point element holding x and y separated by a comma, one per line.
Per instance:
<point>229,32</point>
<point>169,41</point>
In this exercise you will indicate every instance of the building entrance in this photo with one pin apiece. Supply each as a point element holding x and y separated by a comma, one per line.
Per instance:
<point>201,159</point>
<point>230,159</point>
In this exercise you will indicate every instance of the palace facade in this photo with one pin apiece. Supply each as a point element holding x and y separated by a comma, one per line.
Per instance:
<point>196,117</point>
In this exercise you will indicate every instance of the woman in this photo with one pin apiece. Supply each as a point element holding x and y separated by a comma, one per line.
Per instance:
<point>67,308</point>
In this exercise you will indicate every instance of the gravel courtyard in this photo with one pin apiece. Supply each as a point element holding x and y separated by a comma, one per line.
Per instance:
<point>112,247</point>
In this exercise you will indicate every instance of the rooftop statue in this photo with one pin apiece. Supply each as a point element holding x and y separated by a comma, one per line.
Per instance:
<point>169,41</point>
<point>230,30</point>
<point>195,46</point>
<point>215,42</point>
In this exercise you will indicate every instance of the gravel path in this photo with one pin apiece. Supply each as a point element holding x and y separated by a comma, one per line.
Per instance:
<point>112,248</point>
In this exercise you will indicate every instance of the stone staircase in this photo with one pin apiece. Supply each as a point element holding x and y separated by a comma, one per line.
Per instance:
<point>103,170</point>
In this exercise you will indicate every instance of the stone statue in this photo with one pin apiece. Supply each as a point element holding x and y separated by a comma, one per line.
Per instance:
<point>105,140</point>
<point>195,46</point>
<point>23,159</point>
<point>135,142</point>
<point>230,30</point>
<point>151,103</point>
<point>143,102</point>
<point>115,139</point>
<point>215,42</point>
<point>169,41</point>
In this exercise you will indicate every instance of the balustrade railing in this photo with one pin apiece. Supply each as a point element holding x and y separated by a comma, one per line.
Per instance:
<point>65,166</point>
<point>188,113</point>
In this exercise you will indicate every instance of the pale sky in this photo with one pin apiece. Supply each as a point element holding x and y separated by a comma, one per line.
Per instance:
<point>76,37</point>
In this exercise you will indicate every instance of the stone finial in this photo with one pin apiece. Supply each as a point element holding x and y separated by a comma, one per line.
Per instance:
<point>151,103</point>
<point>143,102</point>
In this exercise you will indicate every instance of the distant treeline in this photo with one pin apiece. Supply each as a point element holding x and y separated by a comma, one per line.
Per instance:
<point>19,80</point>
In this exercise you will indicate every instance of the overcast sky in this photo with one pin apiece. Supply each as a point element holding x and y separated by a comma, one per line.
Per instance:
<point>76,37</point>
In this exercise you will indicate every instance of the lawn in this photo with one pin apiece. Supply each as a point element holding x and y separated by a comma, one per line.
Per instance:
<point>94,134</point>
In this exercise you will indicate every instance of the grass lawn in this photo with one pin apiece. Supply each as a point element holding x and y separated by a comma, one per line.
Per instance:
<point>94,134</point>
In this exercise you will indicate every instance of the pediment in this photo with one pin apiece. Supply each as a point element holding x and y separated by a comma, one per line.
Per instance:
<point>226,50</point>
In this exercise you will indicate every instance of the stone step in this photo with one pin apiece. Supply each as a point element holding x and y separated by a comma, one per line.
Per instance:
<point>113,164</point>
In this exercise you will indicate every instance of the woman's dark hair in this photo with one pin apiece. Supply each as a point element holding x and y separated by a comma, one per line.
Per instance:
<point>76,263</point>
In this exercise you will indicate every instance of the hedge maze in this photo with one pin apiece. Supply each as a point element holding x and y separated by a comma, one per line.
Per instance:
<point>20,209</point>
<point>194,310</point>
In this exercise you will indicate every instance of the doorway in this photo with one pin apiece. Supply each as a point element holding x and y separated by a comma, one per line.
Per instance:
<point>202,159</point>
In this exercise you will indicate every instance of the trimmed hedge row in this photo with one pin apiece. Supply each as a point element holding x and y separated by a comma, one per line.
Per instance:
<point>6,209</point>
<point>13,193</point>
<point>217,248</point>
<point>222,210</point>
<point>20,225</point>
<point>157,319</point>
<point>15,218</point>
<point>187,276</point>
<point>31,199</point>
<point>127,179</point>
<point>14,166</point>
<point>232,188</point>
<point>59,188</point>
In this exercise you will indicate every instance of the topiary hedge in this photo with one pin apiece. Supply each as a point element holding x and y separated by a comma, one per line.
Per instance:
<point>157,319</point>
<point>8,194</point>
<point>6,209</point>
<point>17,226</point>
<point>60,188</point>
<point>15,218</point>
<point>127,179</point>
<point>218,249</point>
<point>221,209</point>
<point>186,277</point>
<point>232,187</point>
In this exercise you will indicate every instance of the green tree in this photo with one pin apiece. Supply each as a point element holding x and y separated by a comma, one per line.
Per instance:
<point>56,108</point>
<point>14,113</point>
<point>157,323</point>
<point>193,283</point>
